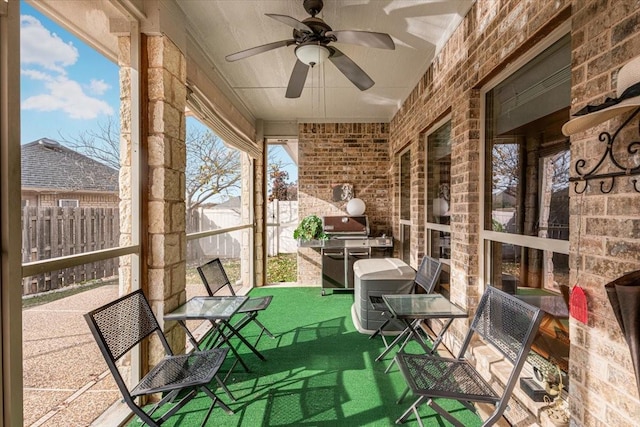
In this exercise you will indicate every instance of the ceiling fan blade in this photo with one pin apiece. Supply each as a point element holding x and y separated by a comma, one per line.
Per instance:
<point>363,38</point>
<point>292,22</point>
<point>297,79</point>
<point>258,49</point>
<point>350,69</point>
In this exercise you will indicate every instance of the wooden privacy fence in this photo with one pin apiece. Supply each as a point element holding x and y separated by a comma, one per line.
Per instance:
<point>54,232</point>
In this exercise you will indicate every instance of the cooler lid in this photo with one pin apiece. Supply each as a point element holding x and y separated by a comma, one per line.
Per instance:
<point>383,269</point>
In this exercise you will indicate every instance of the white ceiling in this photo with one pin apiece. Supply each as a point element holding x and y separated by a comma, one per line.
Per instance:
<point>418,27</point>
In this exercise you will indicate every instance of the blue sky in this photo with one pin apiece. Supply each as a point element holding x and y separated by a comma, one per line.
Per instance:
<point>67,88</point>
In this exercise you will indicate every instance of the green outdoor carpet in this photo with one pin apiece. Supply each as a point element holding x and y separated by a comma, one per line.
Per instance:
<point>319,371</point>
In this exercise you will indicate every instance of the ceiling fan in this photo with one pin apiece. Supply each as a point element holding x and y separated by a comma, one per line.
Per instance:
<point>312,37</point>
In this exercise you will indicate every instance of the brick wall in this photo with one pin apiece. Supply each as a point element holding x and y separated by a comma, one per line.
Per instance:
<point>605,233</point>
<point>605,228</point>
<point>337,153</point>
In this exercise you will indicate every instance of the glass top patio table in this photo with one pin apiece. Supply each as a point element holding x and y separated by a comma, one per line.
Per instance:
<point>422,306</point>
<point>208,308</point>
<point>412,309</point>
<point>218,310</point>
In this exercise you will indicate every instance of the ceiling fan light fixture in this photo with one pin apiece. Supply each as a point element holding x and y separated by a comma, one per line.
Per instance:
<point>312,54</point>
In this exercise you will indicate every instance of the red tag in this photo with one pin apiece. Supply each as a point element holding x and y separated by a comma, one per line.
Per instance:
<point>578,304</point>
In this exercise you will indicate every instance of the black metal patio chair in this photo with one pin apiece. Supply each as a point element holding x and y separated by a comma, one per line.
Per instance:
<point>122,324</point>
<point>215,278</point>
<point>501,320</point>
<point>425,281</point>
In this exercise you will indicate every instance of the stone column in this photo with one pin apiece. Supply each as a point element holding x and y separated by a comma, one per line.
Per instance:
<point>126,238</point>
<point>165,246</point>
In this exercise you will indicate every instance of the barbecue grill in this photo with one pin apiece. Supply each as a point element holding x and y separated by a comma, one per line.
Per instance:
<point>348,242</point>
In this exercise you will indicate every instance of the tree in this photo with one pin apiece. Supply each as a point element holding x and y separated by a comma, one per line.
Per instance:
<point>102,144</point>
<point>213,169</point>
<point>280,188</point>
<point>506,167</point>
<point>278,185</point>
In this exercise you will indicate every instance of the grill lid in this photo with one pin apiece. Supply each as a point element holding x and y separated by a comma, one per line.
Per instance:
<point>346,225</point>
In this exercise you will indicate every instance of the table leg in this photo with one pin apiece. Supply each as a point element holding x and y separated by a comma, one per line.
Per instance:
<point>411,327</point>
<point>438,339</point>
<point>243,339</point>
<point>225,340</point>
<point>193,340</point>
<point>393,343</point>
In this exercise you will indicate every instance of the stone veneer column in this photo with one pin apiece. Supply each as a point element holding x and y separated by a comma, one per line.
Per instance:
<point>124,58</point>
<point>165,246</point>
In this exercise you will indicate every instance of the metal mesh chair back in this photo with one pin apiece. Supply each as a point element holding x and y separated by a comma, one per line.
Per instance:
<point>214,277</point>
<point>506,322</point>
<point>428,274</point>
<point>123,323</point>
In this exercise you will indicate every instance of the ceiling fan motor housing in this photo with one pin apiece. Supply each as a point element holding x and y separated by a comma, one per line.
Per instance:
<point>319,28</point>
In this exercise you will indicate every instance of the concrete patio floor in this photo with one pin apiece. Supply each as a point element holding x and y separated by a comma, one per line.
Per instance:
<point>66,381</point>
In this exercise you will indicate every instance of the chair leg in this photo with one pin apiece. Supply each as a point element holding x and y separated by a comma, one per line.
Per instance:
<point>224,387</point>
<point>403,395</point>
<point>412,409</point>
<point>216,400</point>
<point>440,410</point>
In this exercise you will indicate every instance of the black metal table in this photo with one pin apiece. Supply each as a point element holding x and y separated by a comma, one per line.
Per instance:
<point>217,310</point>
<point>412,310</point>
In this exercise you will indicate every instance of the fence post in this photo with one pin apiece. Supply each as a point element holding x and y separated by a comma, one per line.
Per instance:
<point>276,231</point>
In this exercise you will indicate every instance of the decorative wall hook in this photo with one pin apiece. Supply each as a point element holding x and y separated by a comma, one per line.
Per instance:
<point>608,179</point>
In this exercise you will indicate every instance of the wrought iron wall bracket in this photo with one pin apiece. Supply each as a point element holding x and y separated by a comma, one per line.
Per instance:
<point>607,179</point>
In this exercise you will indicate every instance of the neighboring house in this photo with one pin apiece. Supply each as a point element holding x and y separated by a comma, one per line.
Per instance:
<point>54,175</point>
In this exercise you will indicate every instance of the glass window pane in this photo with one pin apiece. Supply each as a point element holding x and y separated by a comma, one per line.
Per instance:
<point>225,246</point>
<point>405,186</point>
<point>440,247</point>
<point>527,161</point>
<point>516,269</point>
<point>213,180</point>
<point>439,174</point>
<point>406,242</point>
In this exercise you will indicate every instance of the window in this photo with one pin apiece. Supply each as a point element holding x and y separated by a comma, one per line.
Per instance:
<point>68,203</point>
<point>219,217</point>
<point>405,205</point>
<point>526,191</point>
<point>438,200</point>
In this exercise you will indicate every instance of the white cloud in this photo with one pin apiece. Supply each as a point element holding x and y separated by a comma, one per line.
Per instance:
<point>41,47</point>
<point>65,95</point>
<point>36,75</point>
<point>44,57</point>
<point>98,87</point>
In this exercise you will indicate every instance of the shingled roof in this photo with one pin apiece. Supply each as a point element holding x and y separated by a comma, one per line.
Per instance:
<point>47,164</point>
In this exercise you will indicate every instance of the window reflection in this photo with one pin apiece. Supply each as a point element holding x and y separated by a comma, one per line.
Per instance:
<point>405,186</point>
<point>439,175</point>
